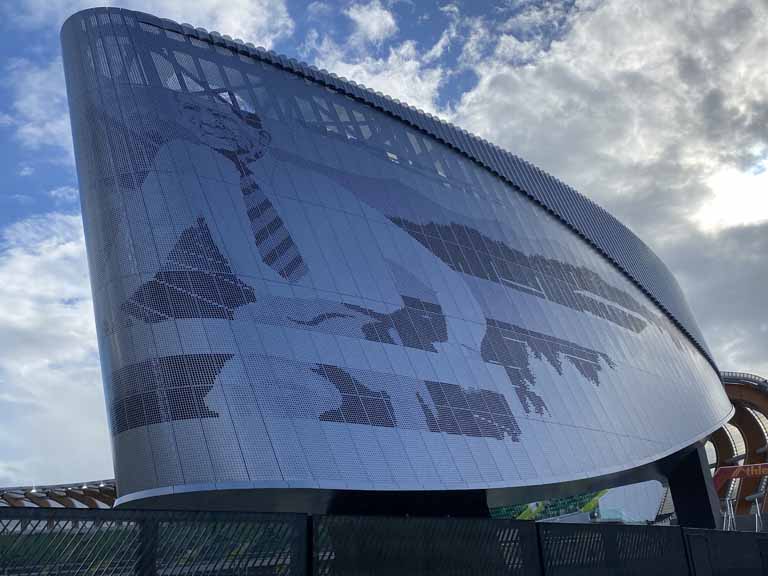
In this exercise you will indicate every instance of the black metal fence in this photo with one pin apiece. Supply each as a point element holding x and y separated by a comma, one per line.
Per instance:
<point>452,546</point>
<point>119,542</point>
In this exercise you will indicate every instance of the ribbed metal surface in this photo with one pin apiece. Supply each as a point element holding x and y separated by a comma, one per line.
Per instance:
<point>593,223</point>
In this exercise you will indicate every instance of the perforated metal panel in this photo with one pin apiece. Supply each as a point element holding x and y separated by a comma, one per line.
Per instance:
<point>423,546</point>
<point>573,549</point>
<point>296,289</point>
<point>726,553</point>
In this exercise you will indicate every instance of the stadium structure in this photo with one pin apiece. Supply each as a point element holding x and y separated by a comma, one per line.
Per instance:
<point>94,495</point>
<point>312,297</point>
<point>743,441</point>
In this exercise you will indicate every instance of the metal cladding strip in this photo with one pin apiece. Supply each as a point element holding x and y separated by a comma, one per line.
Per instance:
<point>583,216</point>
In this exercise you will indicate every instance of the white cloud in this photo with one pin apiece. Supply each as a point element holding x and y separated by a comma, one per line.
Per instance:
<point>450,9</point>
<point>404,73</point>
<point>373,23</point>
<point>259,21</point>
<point>5,119</point>
<point>26,170</point>
<point>739,198</point>
<point>441,46</point>
<point>22,199</point>
<point>533,17</point>
<point>64,194</point>
<point>408,71</point>
<point>54,423</point>
<point>40,106</point>
<point>318,9</point>
<point>632,109</point>
<point>479,36</point>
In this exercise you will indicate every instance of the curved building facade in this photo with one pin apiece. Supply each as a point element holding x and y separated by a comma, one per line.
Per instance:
<point>304,287</point>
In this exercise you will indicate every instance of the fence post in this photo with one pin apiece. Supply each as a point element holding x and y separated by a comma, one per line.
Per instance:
<point>146,564</point>
<point>540,536</point>
<point>610,540</point>
<point>687,551</point>
<point>306,543</point>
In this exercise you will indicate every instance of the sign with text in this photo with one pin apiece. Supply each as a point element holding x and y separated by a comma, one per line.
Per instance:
<point>722,475</point>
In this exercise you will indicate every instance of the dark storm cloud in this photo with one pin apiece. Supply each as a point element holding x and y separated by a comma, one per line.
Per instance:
<point>726,278</point>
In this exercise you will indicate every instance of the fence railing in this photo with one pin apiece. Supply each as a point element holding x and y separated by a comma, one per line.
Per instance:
<point>154,543</point>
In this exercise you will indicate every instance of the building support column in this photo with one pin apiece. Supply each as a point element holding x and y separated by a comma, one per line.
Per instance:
<point>693,492</point>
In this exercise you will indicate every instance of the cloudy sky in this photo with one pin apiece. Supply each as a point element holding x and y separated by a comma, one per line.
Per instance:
<point>657,110</point>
